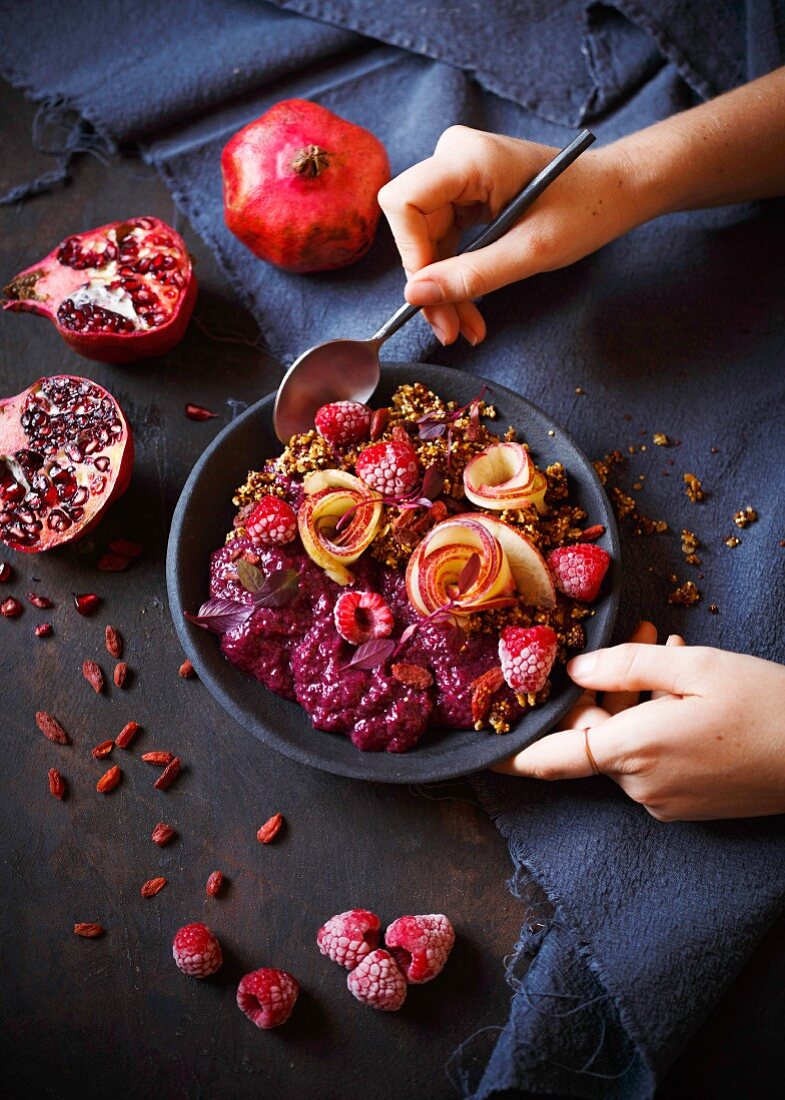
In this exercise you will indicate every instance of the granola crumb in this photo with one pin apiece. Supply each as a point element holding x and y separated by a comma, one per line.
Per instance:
<point>689,544</point>
<point>660,439</point>
<point>714,609</point>
<point>580,391</point>
<point>745,516</point>
<point>732,541</point>
<point>694,488</point>
<point>715,450</point>
<point>686,595</point>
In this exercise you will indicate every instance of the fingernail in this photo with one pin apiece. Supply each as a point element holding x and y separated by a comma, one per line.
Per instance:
<point>439,334</point>
<point>423,292</point>
<point>471,336</point>
<point>582,666</point>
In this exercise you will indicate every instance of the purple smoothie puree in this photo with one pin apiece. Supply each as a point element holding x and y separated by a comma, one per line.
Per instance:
<point>296,652</point>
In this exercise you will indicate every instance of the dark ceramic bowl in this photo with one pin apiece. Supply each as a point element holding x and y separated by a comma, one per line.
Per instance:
<point>204,515</point>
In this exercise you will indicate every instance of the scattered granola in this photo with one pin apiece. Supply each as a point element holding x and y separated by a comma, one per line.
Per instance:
<point>686,595</point>
<point>694,488</point>
<point>745,516</point>
<point>732,541</point>
<point>689,544</point>
<point>660,439</point>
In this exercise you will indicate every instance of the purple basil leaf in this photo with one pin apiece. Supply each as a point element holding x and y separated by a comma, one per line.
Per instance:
<point>431,430</point>
<point>280,588</point>
<point>373,653</point>
<point>432,483</point>
<point>219,615</point>
<point>249,576</point>
<point>410,631</point>
<point>469,574</point>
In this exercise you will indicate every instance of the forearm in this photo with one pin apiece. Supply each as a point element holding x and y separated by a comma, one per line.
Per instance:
<point>729,150</point>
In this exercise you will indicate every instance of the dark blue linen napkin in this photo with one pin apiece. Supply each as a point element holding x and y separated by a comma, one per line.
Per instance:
<point>675,328</point>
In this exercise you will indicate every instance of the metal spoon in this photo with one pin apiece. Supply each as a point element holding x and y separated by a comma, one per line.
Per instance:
<point>349,370</point>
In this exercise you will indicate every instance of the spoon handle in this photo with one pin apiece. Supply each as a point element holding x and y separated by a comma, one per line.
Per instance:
<point>504,221</point>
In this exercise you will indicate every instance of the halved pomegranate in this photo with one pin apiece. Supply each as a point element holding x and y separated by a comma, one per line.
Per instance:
<point>122,292</point>
<point>66,452</point>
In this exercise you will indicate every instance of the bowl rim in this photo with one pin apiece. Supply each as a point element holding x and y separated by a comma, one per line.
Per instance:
<point>396,767</point>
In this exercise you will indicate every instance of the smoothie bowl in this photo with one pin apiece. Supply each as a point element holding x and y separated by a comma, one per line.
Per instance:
<point>394,595</point>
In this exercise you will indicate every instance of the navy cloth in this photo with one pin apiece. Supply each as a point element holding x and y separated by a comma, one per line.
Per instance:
<point>675,328</point>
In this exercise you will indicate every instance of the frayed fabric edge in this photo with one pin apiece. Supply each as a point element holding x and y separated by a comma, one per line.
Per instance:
<point>584,950</point>
<point>53,110</point>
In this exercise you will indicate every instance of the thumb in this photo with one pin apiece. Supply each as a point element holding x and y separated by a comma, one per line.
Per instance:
<point>634,667</point>
<point>470,275</point>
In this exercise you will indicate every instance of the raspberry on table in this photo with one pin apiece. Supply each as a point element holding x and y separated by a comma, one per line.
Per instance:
<point>267,996</point>
<point>196,951</point>
<point>526,654</point>
<point>343,422</point>
<point>390,467</point>
<point>360,616</point>
<point>378,982</point>
<point>578,570</point>
<point>348,937</point>
<point>272,522</point>
<point>421,945</point>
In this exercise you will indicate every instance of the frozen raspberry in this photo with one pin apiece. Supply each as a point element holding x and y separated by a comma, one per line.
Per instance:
<point>343,422</point>
<point>527,654</point>
<point>348,937</point>
<point>420,945</point>
<point>377,981</point>
<point>578,570</point>
<point>390,468</point>
<point>196,951</point>
<point>267,996</point>
<point>272,522</point>
<point>360,616</point>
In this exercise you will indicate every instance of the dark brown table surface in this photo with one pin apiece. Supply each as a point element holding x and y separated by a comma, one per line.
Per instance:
<point>114,1017</point>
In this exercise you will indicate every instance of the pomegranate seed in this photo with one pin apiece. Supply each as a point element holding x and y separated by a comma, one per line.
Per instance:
<point>11,608</point>
<point>5,571</point>
<point>43,630</point>
<point>38,601</point>
<point>86,603</point>
<point>196,412</point>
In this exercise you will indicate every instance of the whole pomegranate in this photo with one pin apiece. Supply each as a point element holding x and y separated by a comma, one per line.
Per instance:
<point>66,452</point>
<point>122,292</point>
<point>300,186</point>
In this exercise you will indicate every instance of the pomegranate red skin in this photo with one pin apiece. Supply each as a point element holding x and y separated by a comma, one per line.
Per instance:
<point>42,287</point>
<point>14,438</point>
<point>300,210</point>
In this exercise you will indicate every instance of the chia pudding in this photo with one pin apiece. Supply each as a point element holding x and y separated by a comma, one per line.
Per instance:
<point>406,665</point>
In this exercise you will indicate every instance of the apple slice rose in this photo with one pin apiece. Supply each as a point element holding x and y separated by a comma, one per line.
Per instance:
<point>329,496</point>
<point>504,476</point>
<point>532,576</point>
<point>434,569</point>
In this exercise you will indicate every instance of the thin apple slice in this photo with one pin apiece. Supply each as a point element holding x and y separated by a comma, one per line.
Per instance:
<point>532,576</point>
<point>500,477</point>
<point>318,519</point>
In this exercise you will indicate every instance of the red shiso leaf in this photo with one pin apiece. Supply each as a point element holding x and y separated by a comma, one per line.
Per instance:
<point>469,574</point>
<point>219,615</point>
<point>432,484</point>
<point>371,654</point>
<point>279,588</point>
